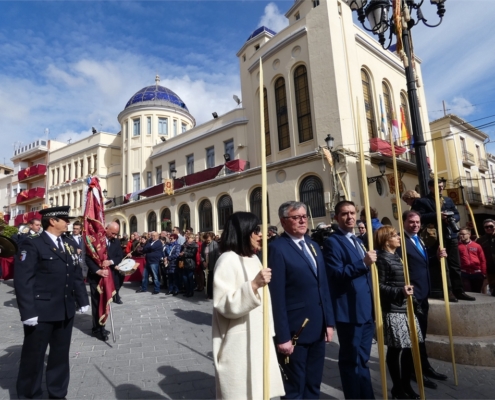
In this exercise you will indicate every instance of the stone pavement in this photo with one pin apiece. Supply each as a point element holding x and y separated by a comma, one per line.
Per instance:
<point>163,350</point>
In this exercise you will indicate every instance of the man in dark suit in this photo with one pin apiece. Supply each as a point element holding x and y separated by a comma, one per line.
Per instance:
<point>48,284</point>
<point>425,206</point>
<point>95,273</point>
<point>153,250</point>
<point>418,263</point>
<point>34,229</point>
<point>347,263</point>
<point>299,290</point>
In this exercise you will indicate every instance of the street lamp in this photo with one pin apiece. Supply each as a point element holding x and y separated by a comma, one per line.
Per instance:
<point>51,201</point>
<point>377,14</point>
<point>105,192</point>
<point>382,166</point>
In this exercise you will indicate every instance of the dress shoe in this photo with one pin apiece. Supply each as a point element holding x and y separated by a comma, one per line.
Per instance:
<point>118,301</point>
<point>452,298</point>
<point>431,373</point>
<point>141,291</point>
<point>411,394</point>
<point>427,382</point>
<point>100,334</point>
<point>464,296</point>
<point>155,293</point>
<point>175,293</point>
<point>398,394</point>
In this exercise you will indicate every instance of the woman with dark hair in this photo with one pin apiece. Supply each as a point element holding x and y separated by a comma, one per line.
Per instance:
<point>393,295</point>
<point>189,251</point>
<point>237,327</point>
<point>172,251</point>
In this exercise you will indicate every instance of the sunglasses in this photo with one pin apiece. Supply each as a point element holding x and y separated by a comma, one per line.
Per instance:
<point>489,227</point>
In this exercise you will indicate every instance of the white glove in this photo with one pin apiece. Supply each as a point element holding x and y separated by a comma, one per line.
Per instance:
<point>83,309</point>
<point>31,321</point>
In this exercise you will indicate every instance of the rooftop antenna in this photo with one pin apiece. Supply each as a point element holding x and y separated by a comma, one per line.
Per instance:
<point>157,80</point>
<point>47,132</point>
<point>68,140</point>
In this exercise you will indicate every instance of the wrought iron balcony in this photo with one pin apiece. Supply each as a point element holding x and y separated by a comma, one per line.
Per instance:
<point>483,164</point>
<point>468,158</point>
<point>474,197</point>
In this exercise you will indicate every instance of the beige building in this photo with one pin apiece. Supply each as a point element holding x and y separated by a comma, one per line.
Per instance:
<point>5,191</point>
<point>321,75</point>
<point>464,163</point>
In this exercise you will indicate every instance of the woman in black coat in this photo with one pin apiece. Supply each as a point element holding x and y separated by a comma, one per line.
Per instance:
<point>188,253</point>
<point>393,296</point>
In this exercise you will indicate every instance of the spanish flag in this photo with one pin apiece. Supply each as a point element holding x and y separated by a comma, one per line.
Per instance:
<point>404,134</point>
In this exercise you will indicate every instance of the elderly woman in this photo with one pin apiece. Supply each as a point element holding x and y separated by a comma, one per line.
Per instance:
<point>238,314</point>
<point>410,196</point>
<point>393,295</point>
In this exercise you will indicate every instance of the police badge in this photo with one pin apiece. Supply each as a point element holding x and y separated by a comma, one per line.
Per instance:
<point>23,255</point>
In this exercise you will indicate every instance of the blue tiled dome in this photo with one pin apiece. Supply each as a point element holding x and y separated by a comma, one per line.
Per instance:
<point>157,92</point>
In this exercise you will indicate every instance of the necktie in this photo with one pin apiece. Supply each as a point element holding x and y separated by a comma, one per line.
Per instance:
<point>60,246</point>
<point>305,250</point>
<point>358,246</point>
<point>418,245</point>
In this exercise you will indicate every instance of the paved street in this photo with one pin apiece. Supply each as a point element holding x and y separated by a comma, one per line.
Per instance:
<point>163,350</point>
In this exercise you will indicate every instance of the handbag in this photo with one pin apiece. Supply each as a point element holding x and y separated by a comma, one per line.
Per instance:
<point>180,264</point>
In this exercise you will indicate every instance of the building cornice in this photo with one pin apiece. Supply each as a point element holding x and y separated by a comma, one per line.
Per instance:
<point>86,149</point>
<point>466,128</point>
<point>157,105</point>
<point>223,179</point>
<point>380,54</point>
<point>230,124</point>
<point>252,40</point>
<point>296,4</point>
<point>276,48</point>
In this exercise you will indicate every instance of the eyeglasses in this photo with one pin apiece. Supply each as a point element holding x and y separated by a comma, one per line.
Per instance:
<point>489,226</point>
<point>297,217</point>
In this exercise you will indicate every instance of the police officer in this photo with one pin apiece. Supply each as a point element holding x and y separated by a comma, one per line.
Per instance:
<point>48,284</point>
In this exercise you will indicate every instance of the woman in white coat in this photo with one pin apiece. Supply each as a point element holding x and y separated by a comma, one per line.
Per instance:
<point>238,314</point>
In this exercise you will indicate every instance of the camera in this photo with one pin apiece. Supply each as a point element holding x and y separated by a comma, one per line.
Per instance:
<point>452,224</point>
<point>321,233</point>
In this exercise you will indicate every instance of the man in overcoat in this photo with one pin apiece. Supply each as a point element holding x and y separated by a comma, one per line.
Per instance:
<point>299,290</point>
<point>48,284</point>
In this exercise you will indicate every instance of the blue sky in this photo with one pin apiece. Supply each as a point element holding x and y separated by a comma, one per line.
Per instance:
<point>68,66</point>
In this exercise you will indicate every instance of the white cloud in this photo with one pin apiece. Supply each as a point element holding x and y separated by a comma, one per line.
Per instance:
<point>273,18</point>
<point>460,106</point>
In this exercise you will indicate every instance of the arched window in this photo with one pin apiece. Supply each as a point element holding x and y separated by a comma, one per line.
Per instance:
<point>368,104</point>
<point>118,223</point>
<point>225,208</point>
<point>166,220</point>
<point>404,118</point>
<point>268,145</point>
<point>255,203</point>
<point>151,221</point>
<point>303,105</point>
<point>124,227</point>
<point>184,217</point>
<point>282,115</point>
<point>387,104</point>
<point>205,216</point>
<point>133,224</point>
<point>311,194</point>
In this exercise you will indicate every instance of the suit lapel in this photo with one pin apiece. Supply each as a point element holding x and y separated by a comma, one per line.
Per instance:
<point>348,244</point>
<point>299,251</point>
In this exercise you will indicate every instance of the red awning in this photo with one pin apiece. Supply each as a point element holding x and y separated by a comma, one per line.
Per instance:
<point>384,147</point>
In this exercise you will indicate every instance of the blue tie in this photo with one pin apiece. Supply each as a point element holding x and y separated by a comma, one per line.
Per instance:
<point>311,260</point>
<point>358,246</point>
<point>418,245</point>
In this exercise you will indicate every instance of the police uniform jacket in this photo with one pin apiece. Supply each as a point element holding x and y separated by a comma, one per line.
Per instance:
<point>48,282</point>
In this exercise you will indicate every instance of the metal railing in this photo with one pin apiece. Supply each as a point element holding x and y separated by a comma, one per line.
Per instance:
<point>474,197</point>
<point>483,165</point>
<point>467,157</point>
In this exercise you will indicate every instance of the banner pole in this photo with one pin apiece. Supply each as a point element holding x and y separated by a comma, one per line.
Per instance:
<point>374,272</point>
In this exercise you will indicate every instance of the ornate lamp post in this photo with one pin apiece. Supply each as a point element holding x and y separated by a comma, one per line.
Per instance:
<point>377,14</point>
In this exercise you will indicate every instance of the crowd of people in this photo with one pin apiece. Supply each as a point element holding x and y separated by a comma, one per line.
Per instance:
<point>313,291</point>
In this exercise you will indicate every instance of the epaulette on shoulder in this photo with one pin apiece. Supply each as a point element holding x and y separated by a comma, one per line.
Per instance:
<point>33,236</point>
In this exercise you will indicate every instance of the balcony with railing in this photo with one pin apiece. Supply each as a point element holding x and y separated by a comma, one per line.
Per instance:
<point>474,197</point>
<point>24,218</point>
<point>483,164</point>
<point>28,173</point>
<point>468,158</point>
<point>37,193</point>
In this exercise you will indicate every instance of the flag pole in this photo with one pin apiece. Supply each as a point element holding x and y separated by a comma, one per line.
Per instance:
<point>443,267</point>
<point>111,322</point>
<point>374,272</point>
<point>410,307</point>
<point>264,231</point>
